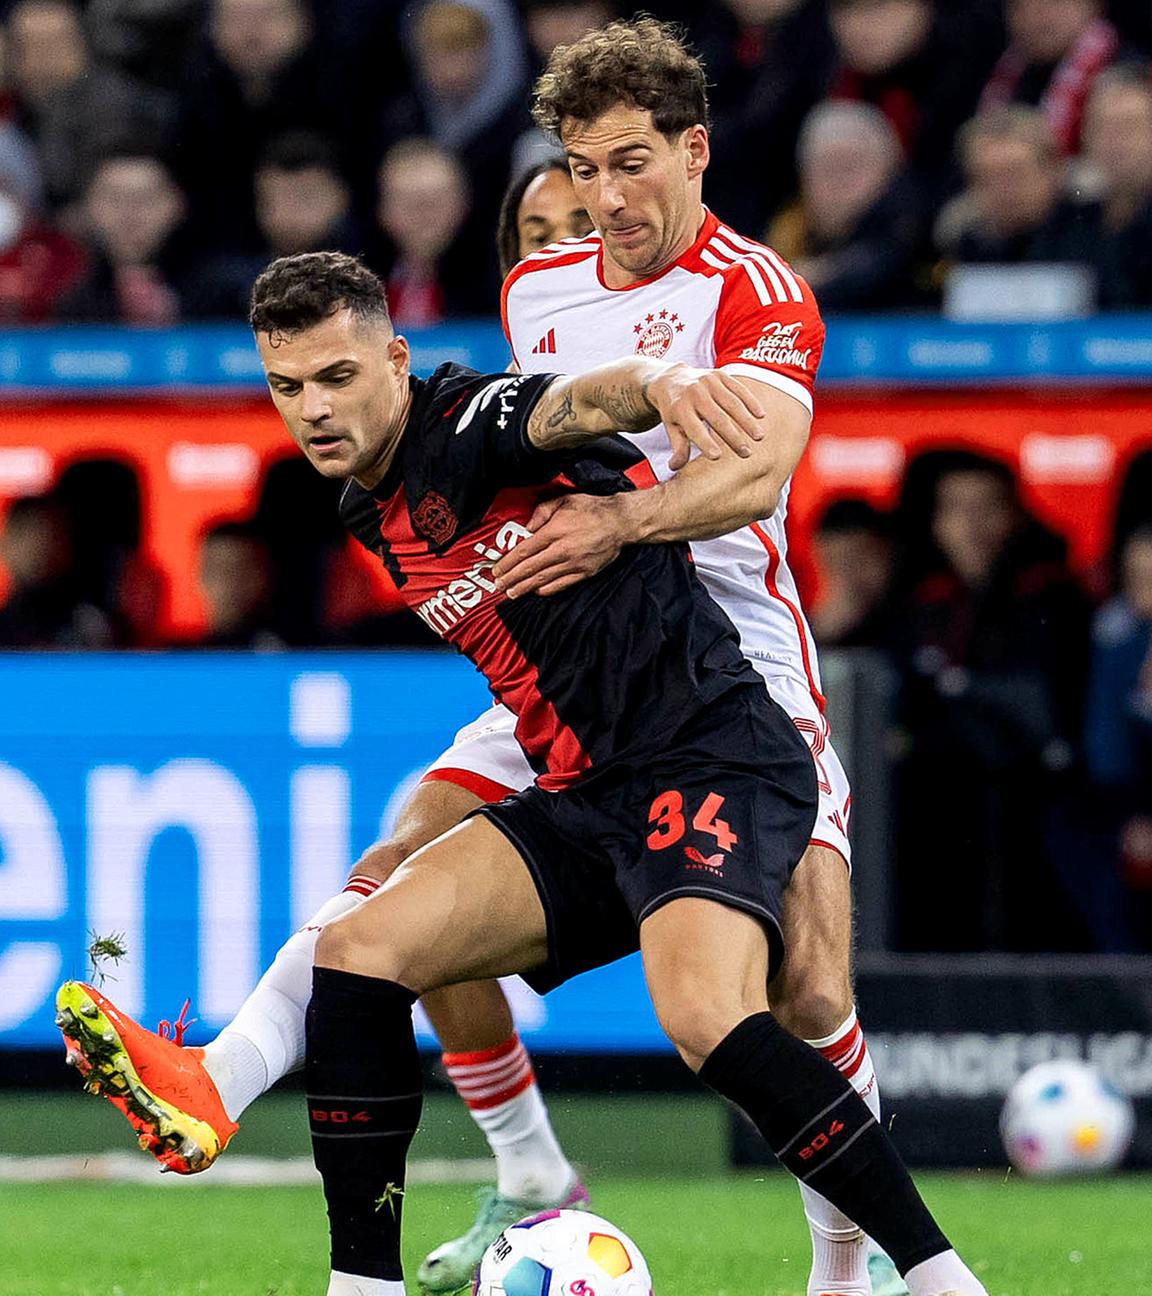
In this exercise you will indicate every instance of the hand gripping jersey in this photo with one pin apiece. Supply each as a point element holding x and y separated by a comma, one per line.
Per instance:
<point>727,303</point>
<point>607,671</point>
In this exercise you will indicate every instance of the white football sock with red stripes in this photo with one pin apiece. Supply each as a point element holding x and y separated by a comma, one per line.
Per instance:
<point>265,1040</point>
<point>499,1088</point>
<point>839,1248</point>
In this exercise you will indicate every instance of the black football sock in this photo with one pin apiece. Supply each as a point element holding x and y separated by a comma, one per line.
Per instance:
<point>821,1130</point>
<point>362,1077</point>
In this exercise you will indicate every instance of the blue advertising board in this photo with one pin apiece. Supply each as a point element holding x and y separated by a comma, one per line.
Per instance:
<point>203,806</point>
<point>860,350</point>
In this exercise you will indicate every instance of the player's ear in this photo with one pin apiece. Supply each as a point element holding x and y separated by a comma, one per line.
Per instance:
<point>697,149</point>
<point>399,357</point>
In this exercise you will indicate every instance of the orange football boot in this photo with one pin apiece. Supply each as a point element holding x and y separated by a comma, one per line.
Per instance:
<point>163,1089</point>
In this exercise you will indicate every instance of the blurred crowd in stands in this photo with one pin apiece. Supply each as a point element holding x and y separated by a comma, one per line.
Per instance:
<point>155,153</point>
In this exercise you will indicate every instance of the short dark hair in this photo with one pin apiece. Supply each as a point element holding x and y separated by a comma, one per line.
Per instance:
<point>644,63</point>
<point>297,292</point>
<point>507,229</point>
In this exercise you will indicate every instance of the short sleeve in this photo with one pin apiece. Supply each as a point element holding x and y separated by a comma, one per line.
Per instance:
<point>768,326</point>
<point>496,413</point>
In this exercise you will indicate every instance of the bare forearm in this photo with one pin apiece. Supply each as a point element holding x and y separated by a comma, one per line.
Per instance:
<point>609,398</point>
<point>705,499</point>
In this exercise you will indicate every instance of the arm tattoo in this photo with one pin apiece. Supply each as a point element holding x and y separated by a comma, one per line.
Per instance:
<point>563,416</point>
<point>628,408</point>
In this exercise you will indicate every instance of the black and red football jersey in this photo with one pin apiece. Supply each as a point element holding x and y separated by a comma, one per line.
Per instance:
<point>607,670</point>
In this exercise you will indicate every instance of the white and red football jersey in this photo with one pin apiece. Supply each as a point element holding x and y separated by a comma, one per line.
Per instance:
<point>727,303</point>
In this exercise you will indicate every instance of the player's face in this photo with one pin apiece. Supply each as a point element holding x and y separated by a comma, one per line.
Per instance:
<point>641,189</point>
<point>549,211</point>
<point>342,390</point>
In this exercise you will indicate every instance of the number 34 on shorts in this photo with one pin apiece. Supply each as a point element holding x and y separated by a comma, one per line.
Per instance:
<point>669,813</point>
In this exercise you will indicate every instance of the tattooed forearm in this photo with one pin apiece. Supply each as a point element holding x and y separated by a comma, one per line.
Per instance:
<point>563,417</point>
<point>625,404</point>
<point>612,398</point>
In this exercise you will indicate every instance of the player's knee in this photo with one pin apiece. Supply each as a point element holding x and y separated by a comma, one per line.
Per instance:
<point>356,944</point>
<point>696,1019</point>
<point>813,1008</point>
<point>381,860</point>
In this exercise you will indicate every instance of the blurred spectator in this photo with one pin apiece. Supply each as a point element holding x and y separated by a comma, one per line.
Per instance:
<point>75,109</point>
<point>1014,208</point>
<point>236,578</point>
<point>38,264</point>
<point>148,39</point>
<point>768,63</point>
<point>1134,505</point>
<point>1056,50</point>
<point>1118,730</point>
<point>298,519</point>
<point>44,608</point>
<point>303,204</point>
<point>921,64</point>
<point>856,230</point>
<point>548,23</point>
<point>1118,148</point>
<point>856,564</point>
<point>423,203</point>
<point>471,96</point>
<point>259,76</point>
<point>992,687</point>
<point>539,208</point>
<point>132,212</point>
<point>102,500</point>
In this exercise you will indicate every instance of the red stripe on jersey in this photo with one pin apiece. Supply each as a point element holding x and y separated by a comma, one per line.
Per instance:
<point>485,788</point>
<point>774,590</point>
<point>641,475</point>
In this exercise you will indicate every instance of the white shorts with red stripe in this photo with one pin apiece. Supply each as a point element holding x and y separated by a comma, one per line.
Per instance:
<point>486,759</point>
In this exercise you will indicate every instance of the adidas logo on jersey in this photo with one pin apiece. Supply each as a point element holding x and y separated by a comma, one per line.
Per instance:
<point>447,606</point>
<point>777,346</point>
<point>547,344</point>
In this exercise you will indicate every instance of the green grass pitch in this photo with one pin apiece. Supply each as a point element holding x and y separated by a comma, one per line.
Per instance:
<point>717,1235</point>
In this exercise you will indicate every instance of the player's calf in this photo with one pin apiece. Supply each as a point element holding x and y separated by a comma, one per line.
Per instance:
<point>823,1133</point>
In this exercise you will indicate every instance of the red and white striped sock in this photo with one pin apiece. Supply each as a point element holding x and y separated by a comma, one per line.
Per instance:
<point>265,1040</point>
<point>847,1050</point>
<point>839,1248</point>
<point>499,1088</point>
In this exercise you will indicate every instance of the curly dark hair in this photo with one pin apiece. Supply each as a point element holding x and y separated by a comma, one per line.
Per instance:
<point>644,62</point>
<point>297,292</point>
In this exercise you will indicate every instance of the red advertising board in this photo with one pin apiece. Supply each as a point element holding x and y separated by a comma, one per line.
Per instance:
<point>202,461</point>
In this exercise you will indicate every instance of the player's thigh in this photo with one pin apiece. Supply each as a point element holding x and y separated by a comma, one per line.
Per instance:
<point>484,763</point>
<point>433,808</point>
<point>812,992</point>
<point>706,965</point>
<point>463,908</point>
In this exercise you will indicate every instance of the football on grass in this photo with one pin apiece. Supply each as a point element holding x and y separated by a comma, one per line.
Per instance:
<point>563,1253</point>
<point>1064,1118</point>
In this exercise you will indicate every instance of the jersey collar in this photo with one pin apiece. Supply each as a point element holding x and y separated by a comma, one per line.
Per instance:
<point>687,257</point>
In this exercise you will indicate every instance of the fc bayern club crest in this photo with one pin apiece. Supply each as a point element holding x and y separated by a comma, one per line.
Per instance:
<point>656,333</point>
<point>433,518</point>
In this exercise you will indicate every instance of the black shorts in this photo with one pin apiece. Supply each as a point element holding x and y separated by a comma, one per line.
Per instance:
<point>725,811</point>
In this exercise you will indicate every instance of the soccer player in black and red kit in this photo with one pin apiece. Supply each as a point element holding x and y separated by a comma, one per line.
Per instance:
<point>673,796</point>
